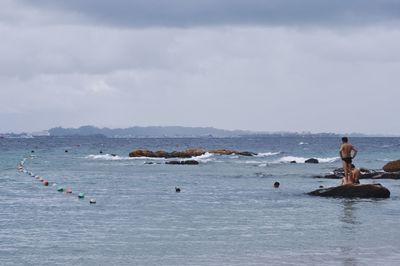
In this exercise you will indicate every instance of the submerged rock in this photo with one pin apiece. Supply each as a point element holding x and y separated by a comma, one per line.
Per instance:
<point>312,160</point>
<point>189,162</point>
<point>393,166</point>
<point>353,191</point>
<point>188,153</point>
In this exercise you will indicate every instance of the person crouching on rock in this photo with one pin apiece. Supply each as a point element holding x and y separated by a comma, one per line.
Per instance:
<point>347,157</point>
<point>354,178</point>
<point>355,174</point>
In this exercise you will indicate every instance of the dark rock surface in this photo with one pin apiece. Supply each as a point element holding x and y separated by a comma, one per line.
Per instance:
<point>365,174</point>
<point>393,166</point>
<point>312,160</point>
<point>188,162</point>
<point>353,191</point>
<point>188,153</point>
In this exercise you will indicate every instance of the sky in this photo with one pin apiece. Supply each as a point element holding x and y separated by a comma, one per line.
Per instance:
<point>260,65</point>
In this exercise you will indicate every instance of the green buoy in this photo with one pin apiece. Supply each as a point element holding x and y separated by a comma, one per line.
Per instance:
<point>60,189</point>
<point>81,195</point>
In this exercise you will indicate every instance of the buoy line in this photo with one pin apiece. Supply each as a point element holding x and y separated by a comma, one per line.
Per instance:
<point>21,168</point>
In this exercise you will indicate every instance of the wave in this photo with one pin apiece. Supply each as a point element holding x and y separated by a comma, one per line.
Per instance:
<point>206,157</point>
<point>288,159</point>
<point>267,154</point>
<point>112,157</point>
<point>108,157</point>
<point>303,143</point>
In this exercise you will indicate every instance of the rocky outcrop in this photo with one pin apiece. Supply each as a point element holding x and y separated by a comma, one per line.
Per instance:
<point>365,174</point>
<point>188,153</point>
<point>188,162</point>
<point>393,166</point>
<point>353,191</point>
<point>311,160</point>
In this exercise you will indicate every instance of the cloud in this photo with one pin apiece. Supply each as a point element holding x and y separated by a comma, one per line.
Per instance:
<point>187,13</point>
<point>257,65</point>
<point>258,78</point>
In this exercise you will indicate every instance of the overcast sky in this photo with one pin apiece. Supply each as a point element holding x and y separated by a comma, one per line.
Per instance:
<point>278,65</point>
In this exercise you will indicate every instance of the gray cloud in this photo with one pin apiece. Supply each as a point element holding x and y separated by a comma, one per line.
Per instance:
<point>71,64</point>
<point>184,13</point>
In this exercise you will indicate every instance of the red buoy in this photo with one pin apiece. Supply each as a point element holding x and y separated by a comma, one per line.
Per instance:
<point>45,182</point>
<point>68,190</point>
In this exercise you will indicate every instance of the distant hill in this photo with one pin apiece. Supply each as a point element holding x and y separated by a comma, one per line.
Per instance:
<point>153,131</point>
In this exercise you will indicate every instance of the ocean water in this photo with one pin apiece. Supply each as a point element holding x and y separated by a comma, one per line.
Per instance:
<point>227,212</point>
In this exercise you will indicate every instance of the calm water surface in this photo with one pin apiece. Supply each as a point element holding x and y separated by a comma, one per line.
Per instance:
<point>228,212</point>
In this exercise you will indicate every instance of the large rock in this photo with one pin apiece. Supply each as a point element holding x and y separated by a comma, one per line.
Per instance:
<point>353,191</point>
<point>311,160</point>
<point>393,166</point>
<point>188,153</point>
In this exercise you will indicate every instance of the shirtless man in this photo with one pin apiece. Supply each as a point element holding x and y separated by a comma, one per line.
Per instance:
<point>347,157</point>
<point>354,175</point>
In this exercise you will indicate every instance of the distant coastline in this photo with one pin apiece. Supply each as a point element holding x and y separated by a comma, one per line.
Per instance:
<point>170,132</point>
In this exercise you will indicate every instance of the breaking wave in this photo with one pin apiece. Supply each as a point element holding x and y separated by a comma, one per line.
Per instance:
<point>112,157</point>
<point>288,159</point>
<point>267,154</point>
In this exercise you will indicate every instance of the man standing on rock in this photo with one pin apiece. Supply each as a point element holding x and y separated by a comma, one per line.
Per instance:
<point>347,157</point>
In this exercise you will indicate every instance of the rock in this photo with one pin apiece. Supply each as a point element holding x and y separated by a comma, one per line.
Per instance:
<point>312,160</point>
<point>365,174</point>
<point>394,175</point>
<point>142,153</point>
<point>188,153</point>
<point>353,191</point>
<point>293,162</point>
<point>393,166</point>
<point>189,162</point>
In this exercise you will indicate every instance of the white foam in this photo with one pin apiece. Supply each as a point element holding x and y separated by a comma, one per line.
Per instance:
<point>288,159</point>
<point>303,143</point>
<point>267,154</point>
<point>252,162</point>
<point>206,157</point>
<point>203,156</point>
<point>109,157</point>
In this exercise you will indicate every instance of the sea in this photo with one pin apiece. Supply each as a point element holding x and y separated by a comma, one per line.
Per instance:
<point>227,212</point>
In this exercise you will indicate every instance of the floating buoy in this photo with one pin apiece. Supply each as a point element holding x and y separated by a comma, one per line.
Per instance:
<point>177,189</point>
<point>68,191</point>
<point>276,184</point>
<point>66,150</point>
<point>60,189</point>
<point>92,201</point>
<point>101,152</point>
<point>32,151</point>
<point>45,182</point>
<point>81,195</point>
<point>55,184</point>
